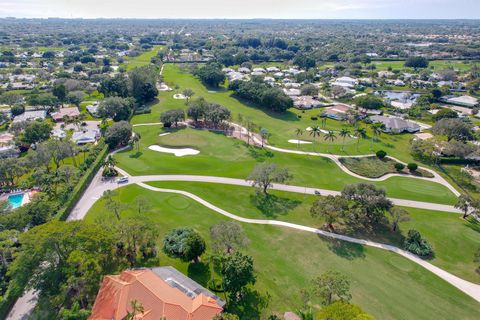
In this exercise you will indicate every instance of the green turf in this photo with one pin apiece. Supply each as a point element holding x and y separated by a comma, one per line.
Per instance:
<point>454,239</point>
<point>386,285</point>
<point>281,126</point>
<point>229,157</point>
<point>142,59</point>
<point>459,65</point>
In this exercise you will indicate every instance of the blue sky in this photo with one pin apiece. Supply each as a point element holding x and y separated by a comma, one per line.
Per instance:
<point>318,9</point>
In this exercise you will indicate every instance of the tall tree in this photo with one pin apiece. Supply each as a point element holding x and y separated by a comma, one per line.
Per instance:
<point>398,215</point>
<point>237,271</point>
<point>332,286</point>
<point>228,237</point>
<point>265,174</point>
<point>344,133</point>
<point>185,244</point>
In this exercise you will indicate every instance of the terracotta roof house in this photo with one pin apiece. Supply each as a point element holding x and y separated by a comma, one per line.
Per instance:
<point>337,112</point>
<point>65,112</point>
<point>163,292</point>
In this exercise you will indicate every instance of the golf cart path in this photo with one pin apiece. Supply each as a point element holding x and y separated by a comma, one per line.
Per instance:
<point>336,159</point>
<point>471,289</point>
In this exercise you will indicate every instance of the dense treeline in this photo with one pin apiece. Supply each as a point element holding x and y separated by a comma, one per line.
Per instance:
<point>262,94</point>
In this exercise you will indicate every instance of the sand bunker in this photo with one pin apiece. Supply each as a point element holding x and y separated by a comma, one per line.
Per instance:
<point>179,96</point>
<point>180,152</point>
<point>299,141</point>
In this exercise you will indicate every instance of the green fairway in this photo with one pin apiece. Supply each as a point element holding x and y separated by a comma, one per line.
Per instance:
<point>142,59</point>
<point>229,157</point>
<point>459,65</point>
<point>281,126</point>
<point>386,285</point>
<point>454,239</point>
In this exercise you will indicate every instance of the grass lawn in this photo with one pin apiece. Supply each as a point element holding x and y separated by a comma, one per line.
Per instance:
<point>142,59</point>
<point>454,239</point>
<point>373,167</point>
<point>281,126</point>
<point>459,65</point>
<point>386,285</point>
<point>229,157</point>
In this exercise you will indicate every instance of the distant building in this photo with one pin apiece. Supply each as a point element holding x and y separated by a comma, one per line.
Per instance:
<point>164,293</point>
<point>346,82</point>
<point>31,115</point>
<point>464,101</point>
<point>65,112</point>
<point>306,102</point>
<point>336,112</point>
<point>395,124</point>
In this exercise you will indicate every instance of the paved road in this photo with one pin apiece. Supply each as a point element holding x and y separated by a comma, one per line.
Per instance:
<point>23,306</point>
<point>98,186</point>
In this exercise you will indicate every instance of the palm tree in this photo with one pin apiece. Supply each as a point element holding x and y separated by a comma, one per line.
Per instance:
<point>315,132</point>
<point>344,133</point>
<point>298,132</point>
<point>360,133</point>
<point>463,204</point>
<point>263,134</point>
<point>376,131</point>
<point>135,141</point>
<point>137,308</point>
<point>110,162</point>
<point>330,136</point>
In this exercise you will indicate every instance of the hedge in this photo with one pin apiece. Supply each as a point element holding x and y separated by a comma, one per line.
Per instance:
<point>445,160</point>
<point>82,184</point>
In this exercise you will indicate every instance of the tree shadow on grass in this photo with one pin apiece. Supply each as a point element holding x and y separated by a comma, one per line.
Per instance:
<point>271,205</point>
<point>200,272</point>
<point>250,306</point>
<point>344,249</point>
<point>473,224</point>
<point>136,155</point>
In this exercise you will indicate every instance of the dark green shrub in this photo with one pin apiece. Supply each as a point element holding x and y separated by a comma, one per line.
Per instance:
<point>416,244</point>
<point>381,154</point>
<point>412,166</point>
<point>399,166</point>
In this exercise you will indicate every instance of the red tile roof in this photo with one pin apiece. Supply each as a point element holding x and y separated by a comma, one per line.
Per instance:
<point>157,297</point>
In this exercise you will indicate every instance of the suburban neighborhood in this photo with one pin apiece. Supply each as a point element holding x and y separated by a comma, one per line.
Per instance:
<point>302,167</point>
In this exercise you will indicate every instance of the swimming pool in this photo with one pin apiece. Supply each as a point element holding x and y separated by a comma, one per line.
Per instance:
<point>15,200</point>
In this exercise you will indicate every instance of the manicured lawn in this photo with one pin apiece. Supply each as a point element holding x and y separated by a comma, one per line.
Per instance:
<point>454,240</point>
<point>229,157</point>
<point>373,167</point>
<point>436,64</point>
<point>386,285</point>
<point>281,126</point>
<point>142,59</point>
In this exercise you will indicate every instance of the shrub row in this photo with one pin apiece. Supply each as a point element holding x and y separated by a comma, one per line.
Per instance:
<point>101,151</point>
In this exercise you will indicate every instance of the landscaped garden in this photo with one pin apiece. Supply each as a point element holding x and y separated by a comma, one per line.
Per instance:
<point>374,167</point>
<point>386,285</point>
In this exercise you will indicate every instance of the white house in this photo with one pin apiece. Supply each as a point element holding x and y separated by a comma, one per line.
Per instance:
<point>345,82</point>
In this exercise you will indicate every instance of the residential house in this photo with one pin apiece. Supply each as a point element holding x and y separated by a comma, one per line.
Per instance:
<point>306,102</point>
<point>464,101</point>
<point>31,115</point>
<point>337,112</point>
<point>164,293</point>
<point>7,146</point>
<point>395,124</point>
<point>70,112</point>
<point>346,82</point>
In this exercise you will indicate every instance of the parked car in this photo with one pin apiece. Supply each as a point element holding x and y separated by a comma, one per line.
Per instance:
<point>122,180</point>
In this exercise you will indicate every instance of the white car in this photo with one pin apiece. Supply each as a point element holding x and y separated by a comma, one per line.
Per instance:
<point>122,180</point>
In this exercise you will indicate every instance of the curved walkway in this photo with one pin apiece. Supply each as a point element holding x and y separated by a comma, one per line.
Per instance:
<point>336,159</point>
<point>92,194</point>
